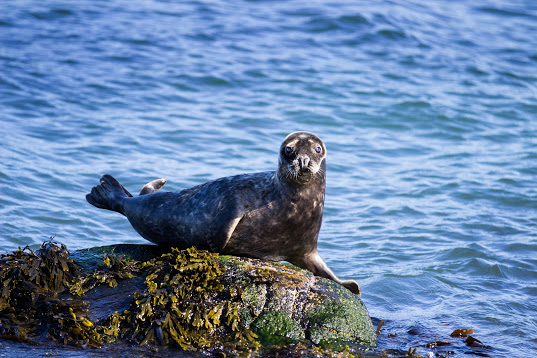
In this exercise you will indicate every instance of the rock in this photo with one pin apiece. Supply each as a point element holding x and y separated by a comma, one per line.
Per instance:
<point>280,303</point>
<point>130,296</point>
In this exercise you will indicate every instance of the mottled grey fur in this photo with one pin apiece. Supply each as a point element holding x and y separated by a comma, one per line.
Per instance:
<point>269,215</point>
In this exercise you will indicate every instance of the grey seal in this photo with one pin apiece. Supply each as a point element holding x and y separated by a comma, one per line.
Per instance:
<point>274,215</point>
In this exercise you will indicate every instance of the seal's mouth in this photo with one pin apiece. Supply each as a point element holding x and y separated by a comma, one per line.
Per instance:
<point>300,175</point>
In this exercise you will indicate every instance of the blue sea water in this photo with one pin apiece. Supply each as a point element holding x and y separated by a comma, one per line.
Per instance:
<point>428,110</point>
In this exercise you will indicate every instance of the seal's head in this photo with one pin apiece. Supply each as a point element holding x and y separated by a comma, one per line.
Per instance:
<point>302,157</point>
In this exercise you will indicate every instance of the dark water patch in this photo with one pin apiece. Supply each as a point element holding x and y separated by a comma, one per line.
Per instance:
<point>470,252</point>
<point>5,23</point>
<point>11,84</point>
<point>53,14</point>
<point>140,42</point>
<point>523,272</point>
<point>392,34</point>
<point>516,76</point>
<point>491,228</point>
<point>353,20</point>
<point>56,218</point>
<point>523,248</point>
<point>182,86</point>
<point>482,268</point>
<point>321,25</point>
<point>413,104</point>
<point>404,211</point>
<point>508,12</point>
<point>30,104</point>
<point>474,70</point>
<point>214,81</point>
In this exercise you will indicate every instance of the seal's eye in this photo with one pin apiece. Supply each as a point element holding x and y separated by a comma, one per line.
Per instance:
<point>318,149</point>
<point>288,151</point>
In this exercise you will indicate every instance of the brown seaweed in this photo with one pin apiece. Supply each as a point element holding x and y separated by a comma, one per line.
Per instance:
<point>186,304</point>
<point>31,301</point>
<point>462,332</point>
<point>109,272</point>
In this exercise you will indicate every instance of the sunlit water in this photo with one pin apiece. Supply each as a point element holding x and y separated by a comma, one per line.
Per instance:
<point>427,108</point>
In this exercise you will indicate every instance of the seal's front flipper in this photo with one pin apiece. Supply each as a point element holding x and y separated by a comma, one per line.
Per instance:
<point>351,285</point>
<point>153,186</point>
<point>108,195</point>
<point>314,263</point>
<point>222,228</point>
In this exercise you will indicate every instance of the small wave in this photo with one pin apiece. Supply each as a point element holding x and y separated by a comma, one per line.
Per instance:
<point>51,14</point>
<point>505,11</point>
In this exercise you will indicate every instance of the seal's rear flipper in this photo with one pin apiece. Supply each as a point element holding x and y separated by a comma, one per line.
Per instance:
<point>126,191</point>
<point>108,195</point>
<point>153,186</point>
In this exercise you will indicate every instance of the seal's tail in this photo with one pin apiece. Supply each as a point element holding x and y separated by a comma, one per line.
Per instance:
<point>108,195</point>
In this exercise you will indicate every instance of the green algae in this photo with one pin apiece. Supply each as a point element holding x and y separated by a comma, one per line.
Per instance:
<point>275,328</point>
<point>334,315</point>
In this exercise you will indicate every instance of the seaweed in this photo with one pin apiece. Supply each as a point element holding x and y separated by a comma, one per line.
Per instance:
<point>185,303</point>
<point>31,301</point>
<point>109,272</point>
<point>412,353</point>
<point>463,332</point>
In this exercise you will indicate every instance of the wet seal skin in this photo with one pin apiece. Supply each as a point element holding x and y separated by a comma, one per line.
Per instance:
<point>269,215</point>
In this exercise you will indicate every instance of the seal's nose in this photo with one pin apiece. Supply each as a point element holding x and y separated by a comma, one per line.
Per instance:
<point>303,162</point>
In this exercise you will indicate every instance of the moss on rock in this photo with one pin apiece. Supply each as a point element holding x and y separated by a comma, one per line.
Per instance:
<point>276,328</point>
<point>335,314</point>
<point>325,312</point>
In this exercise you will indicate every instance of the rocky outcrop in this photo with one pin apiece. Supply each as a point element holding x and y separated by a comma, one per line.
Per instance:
<point>280,303</point>
<point>107,297</point>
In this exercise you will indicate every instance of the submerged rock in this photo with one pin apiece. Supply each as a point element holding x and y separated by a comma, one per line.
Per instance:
<point>147,295</point>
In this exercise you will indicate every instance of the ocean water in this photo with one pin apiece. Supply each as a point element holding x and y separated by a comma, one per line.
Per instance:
<point>428,110</point>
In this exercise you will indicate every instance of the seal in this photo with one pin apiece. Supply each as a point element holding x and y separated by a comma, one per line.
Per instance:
<point>274,215</point>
